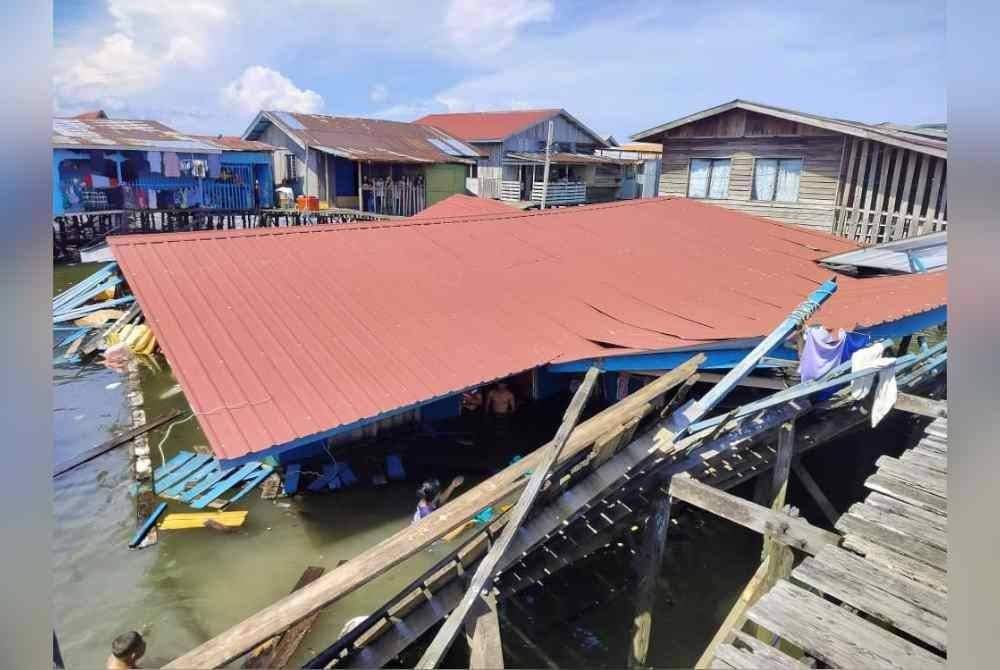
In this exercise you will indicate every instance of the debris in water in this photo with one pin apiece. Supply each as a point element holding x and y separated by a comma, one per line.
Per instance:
<point>171,392</point>
<point>113,386</point>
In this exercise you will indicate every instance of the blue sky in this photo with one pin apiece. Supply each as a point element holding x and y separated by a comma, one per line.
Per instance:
<point>205,66</point>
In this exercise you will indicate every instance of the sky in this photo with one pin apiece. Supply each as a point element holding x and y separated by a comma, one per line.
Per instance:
<point>208,66</point>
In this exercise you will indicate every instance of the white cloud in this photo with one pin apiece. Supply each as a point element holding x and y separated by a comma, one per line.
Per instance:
<point>378,93</point>
<point>117,68</point>
<point>261,87</point>
<point>493,27</point>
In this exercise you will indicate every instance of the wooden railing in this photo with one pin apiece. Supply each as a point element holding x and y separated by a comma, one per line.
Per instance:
<point>870,227</point>
<point>510,190</point>
<point>560,193</point>
<point>484,187</point>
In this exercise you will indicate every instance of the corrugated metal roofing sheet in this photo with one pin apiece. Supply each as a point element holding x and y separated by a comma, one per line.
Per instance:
<point>281,334</point>
<point>572,159</point>
<point>123,134</point>
<point>234,143</point>
<point>915,254</point>
<point>463,205</point>
<point>487,126</point>
<point>372,139</point>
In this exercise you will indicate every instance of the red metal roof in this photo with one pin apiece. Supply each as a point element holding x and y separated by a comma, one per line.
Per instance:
<point>487,126</point>
<point>277,334</point>
<point>463,205</point>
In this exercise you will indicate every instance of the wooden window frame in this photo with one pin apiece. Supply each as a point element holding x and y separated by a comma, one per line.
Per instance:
<point>753,176</point>
<point>711,170</point>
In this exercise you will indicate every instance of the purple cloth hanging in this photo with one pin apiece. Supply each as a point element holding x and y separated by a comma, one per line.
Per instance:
<point>820,353</point>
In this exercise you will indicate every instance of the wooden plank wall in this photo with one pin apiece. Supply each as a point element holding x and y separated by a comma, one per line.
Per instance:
<point>890,193</point>
<point>821,157</point>
<point>564,132</point>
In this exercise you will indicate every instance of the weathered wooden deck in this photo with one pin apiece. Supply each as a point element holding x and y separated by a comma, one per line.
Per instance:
<point>879,599</point>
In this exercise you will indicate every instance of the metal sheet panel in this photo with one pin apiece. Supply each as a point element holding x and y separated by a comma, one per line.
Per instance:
<point>278,335</point>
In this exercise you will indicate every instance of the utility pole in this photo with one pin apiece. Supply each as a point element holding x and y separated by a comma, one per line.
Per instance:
<point>545,176</point>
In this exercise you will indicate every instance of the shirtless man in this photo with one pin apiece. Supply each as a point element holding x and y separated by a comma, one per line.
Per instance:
<point>500,400</point>
<point>126,651</point>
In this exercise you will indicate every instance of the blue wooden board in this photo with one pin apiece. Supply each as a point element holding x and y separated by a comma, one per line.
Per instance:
<point>147,526</point>
<point>329,472</point>
<point>206,484</point>
<point>188,482</point>
<point>226,484</point>
<point>292,479</point>
<point>265,470</point>
<point>181,473</point>
<point>180,459</point>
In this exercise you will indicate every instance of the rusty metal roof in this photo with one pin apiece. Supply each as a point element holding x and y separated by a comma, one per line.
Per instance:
<point>123,135</point>
<point>234,143</point>
<point>278,335</point>
<point>913,139</point>
<point>463,205</point>
<point>498,126</point>
<point>367,139</point>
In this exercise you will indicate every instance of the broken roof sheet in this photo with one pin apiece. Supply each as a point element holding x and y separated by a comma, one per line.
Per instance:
<point>368,139</point>
<point>280,335</point>
<point>887,133</point>
<point>124,135</point>
<point>925,253</point>
<point>463,205</point>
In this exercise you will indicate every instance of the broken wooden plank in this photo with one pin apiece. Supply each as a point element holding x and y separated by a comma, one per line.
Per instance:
<point>792,531</point>
<point>116,441</point>
<point>921,406</point>
<point>895,488</point>
<point>918,530</point>
<point>900,508</point>
<point>147,525</point>
<point>483,632</point>
<point>765,656</point>
<point>375,561</point>
<point>278,651</point>
<point>485,570</point>
<point>833,635</point>
<point>199,519</point>
<point>888,608</point>
<point>895,562</point>
<point>849,524</point>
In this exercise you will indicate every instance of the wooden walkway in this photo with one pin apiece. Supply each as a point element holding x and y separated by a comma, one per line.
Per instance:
<point>879,599</point>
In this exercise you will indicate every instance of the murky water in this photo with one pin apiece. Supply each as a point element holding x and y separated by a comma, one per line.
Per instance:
<point>196,583</point>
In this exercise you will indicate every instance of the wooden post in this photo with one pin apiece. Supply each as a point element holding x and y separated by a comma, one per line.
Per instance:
<point>782,465</point>
<point>361,194</point>
<point>545,172</point>
<point>782,559</point>
<point>648,564</point>
<point>484,572</point>
<point>483,631</point>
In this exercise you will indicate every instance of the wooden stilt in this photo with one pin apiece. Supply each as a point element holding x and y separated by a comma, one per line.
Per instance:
<point>829,511</point>
<point>648,564</point>
<point>782,558</point>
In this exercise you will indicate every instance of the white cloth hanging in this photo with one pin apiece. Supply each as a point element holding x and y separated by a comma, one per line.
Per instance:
<point>884,380</point>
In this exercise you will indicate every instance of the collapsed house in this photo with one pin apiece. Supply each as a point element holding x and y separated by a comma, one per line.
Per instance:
<point>288,341</point>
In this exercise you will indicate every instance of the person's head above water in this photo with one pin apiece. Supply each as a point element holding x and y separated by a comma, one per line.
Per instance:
<point>429,490</point>
<point>128,647</point>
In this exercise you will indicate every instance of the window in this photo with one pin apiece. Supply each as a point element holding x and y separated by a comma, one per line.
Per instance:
<point>708,178</point>
<point>776,179</point>
<point>290,167</point>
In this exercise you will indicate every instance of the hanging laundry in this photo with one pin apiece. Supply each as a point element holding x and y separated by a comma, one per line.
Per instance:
<point>820,353</point>
<point>155,161</point>
<point>884,380</point>
<point>171,165</point>
<point>214,165</point>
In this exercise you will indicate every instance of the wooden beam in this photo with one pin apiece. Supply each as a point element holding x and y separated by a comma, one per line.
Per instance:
<point>829,511</point>
<point>116,441</point>
<point>914,404</point>
<point>487,567</point>
<point>648,563</point>
<point>791,531</point>
<point>782,465</point>
<point>375,561</point>
<point>482,629</point>
<point>276,652</point>
<point>737,615</point>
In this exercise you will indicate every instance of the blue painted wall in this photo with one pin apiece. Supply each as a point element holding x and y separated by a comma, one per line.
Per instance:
<point>346,173</point>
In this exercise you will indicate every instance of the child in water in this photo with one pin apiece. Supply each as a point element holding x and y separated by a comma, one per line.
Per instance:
<point>430,496</point>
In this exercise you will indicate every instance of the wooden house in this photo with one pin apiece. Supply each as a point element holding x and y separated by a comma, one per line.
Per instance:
<point>384,167</point>
<point>870,183</point>
<point>513,144</point>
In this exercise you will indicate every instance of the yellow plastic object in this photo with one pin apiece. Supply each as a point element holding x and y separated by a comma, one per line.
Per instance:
<point>198,519</point>
<point>138,338</point>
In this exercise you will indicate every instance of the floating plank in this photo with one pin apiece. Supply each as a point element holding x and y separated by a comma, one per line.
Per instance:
<point>898,563</point>
<point>205,484</point>
<point>849,524</point>
<point>917,529</point>
<point>834,636</point>
<point>931,481</point>
<point>487,567</point>
<point>887,607</point>
<point>224,485</point>
<point>292,474</point>
<point>276,652</point>
<point>100,317</point>
<point>197,520</point>
<point>330,473</point>
<point>181,473</point>
<point>116,441</point>
<point>792,531</point>
<point>895,488</point>
<point>187,483</point>
<point>75,314</point>
<point>265,472</point>
<point>876,576</point>
<point>147,526</point>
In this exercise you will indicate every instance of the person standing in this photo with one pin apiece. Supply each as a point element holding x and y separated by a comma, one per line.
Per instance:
<point>430,496</point>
